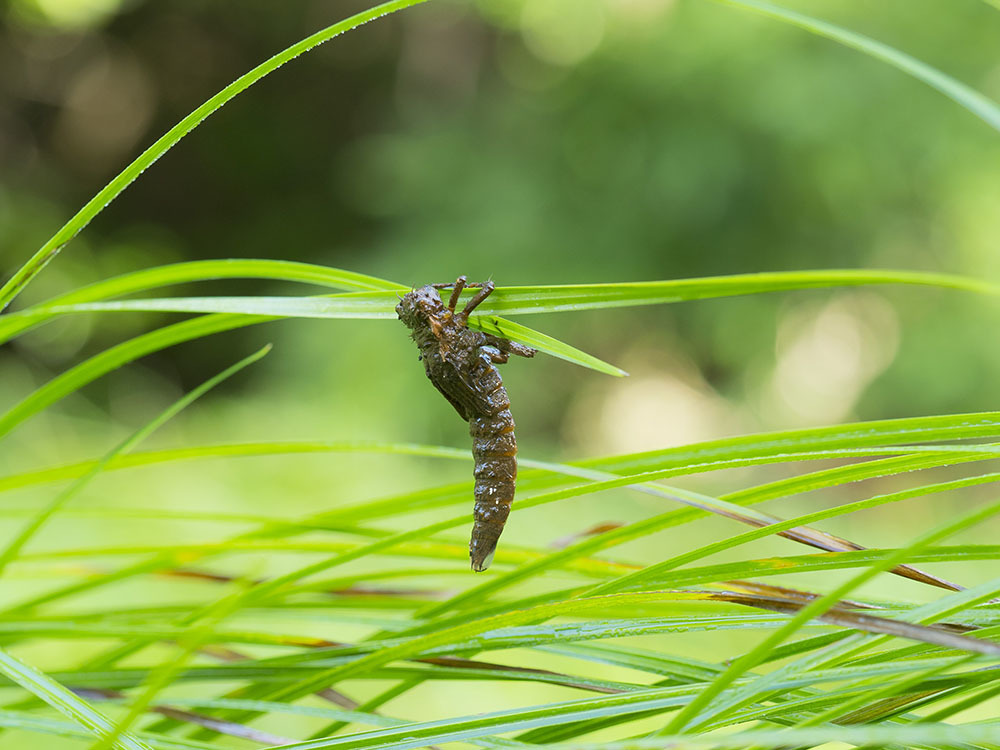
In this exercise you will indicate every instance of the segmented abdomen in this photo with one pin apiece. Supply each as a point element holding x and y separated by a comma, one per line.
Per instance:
<point>494,448</point>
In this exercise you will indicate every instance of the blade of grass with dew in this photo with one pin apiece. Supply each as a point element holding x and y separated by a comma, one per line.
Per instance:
<point>755,655</point>
<point>227,450</point>
<point>199,270</point>
<point>381,544</point>
<point>939,737</point>
<point>355,716</point>
<point>654,573</point>
<point>630,624</point>
<point>420,734</point>
<point>872,695</point>
<point>626,624</point>
<point>125,678</point>
<point>113,189</point>
<point>15,545</point>
<point>63,701</point>
<point>979,105</point>
<point>516,300</point>
<point>851,648</point>
<point>53,727</point>
<point>85,586</point>
<point>845,440</point>
<point>967,424</point>
<point>640,528</point>
<point>377,305</point>
<point>761,596</point>
<point>160,678</point>
<point>973,420</point>
<point>121,354</point>
<point>795,485</point>
<point>116,356</point>
<point>819,662</point>
<point>541,613</point>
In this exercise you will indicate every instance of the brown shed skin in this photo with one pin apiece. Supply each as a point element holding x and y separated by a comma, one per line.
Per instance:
<point>462,365</point>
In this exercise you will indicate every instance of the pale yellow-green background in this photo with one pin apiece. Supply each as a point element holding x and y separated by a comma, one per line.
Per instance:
<point>556,141</point>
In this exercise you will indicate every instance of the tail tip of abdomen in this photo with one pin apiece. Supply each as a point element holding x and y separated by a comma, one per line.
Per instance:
<point>482,557</point>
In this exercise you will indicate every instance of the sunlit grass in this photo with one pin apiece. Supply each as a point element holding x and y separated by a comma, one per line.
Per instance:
<point>168,642</point>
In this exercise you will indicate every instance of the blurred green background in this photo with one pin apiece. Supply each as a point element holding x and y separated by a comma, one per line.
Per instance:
<point>542,142</point>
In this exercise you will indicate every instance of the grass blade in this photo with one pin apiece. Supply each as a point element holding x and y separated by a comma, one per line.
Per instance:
<point>113,189</point>
<point>515,300</point>
<point>113,358</point>
<point>63,700</point>
<point>14,546</point>
<point>522,334</point>
<point>939,737</point>
<point>199,270</point>
<point>192,639</point>
<point>979,105</point>
<point>758,653</point>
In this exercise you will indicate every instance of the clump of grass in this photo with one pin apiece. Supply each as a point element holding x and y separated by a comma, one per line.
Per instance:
<point>832,666</point>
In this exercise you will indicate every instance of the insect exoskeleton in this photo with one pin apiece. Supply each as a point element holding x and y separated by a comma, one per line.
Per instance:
<point>462,365</point>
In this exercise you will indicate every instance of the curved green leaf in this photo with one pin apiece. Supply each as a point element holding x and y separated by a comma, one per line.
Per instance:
<point>979,105</point>
<point>64,701</point>
<point>113,189</point>
<point>198,270</point>
<point>13,547</point>
<point>516,300</point>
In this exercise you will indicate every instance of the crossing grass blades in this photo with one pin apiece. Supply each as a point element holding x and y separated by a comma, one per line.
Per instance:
<point>792,666</point>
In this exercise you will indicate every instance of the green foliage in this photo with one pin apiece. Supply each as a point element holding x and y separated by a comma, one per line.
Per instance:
<point>785,666</point>
<point>969,98</point>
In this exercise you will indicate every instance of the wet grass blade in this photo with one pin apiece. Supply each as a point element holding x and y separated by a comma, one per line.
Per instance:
<point>509,300</point>
<point>194,271</point>
<point>537,340</point>
<point>15,545</point>
<point>756,655</point>
<point>64,701</point>
<point>515,300</point>
<point>113,189</point>
<point>110,359</point>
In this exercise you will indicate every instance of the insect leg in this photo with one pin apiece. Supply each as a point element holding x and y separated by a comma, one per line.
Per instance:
<point>510,347</point>
<point>520,349</point>
<point>493,354</point>
<point>483,293</point>
<point>459,286</point>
